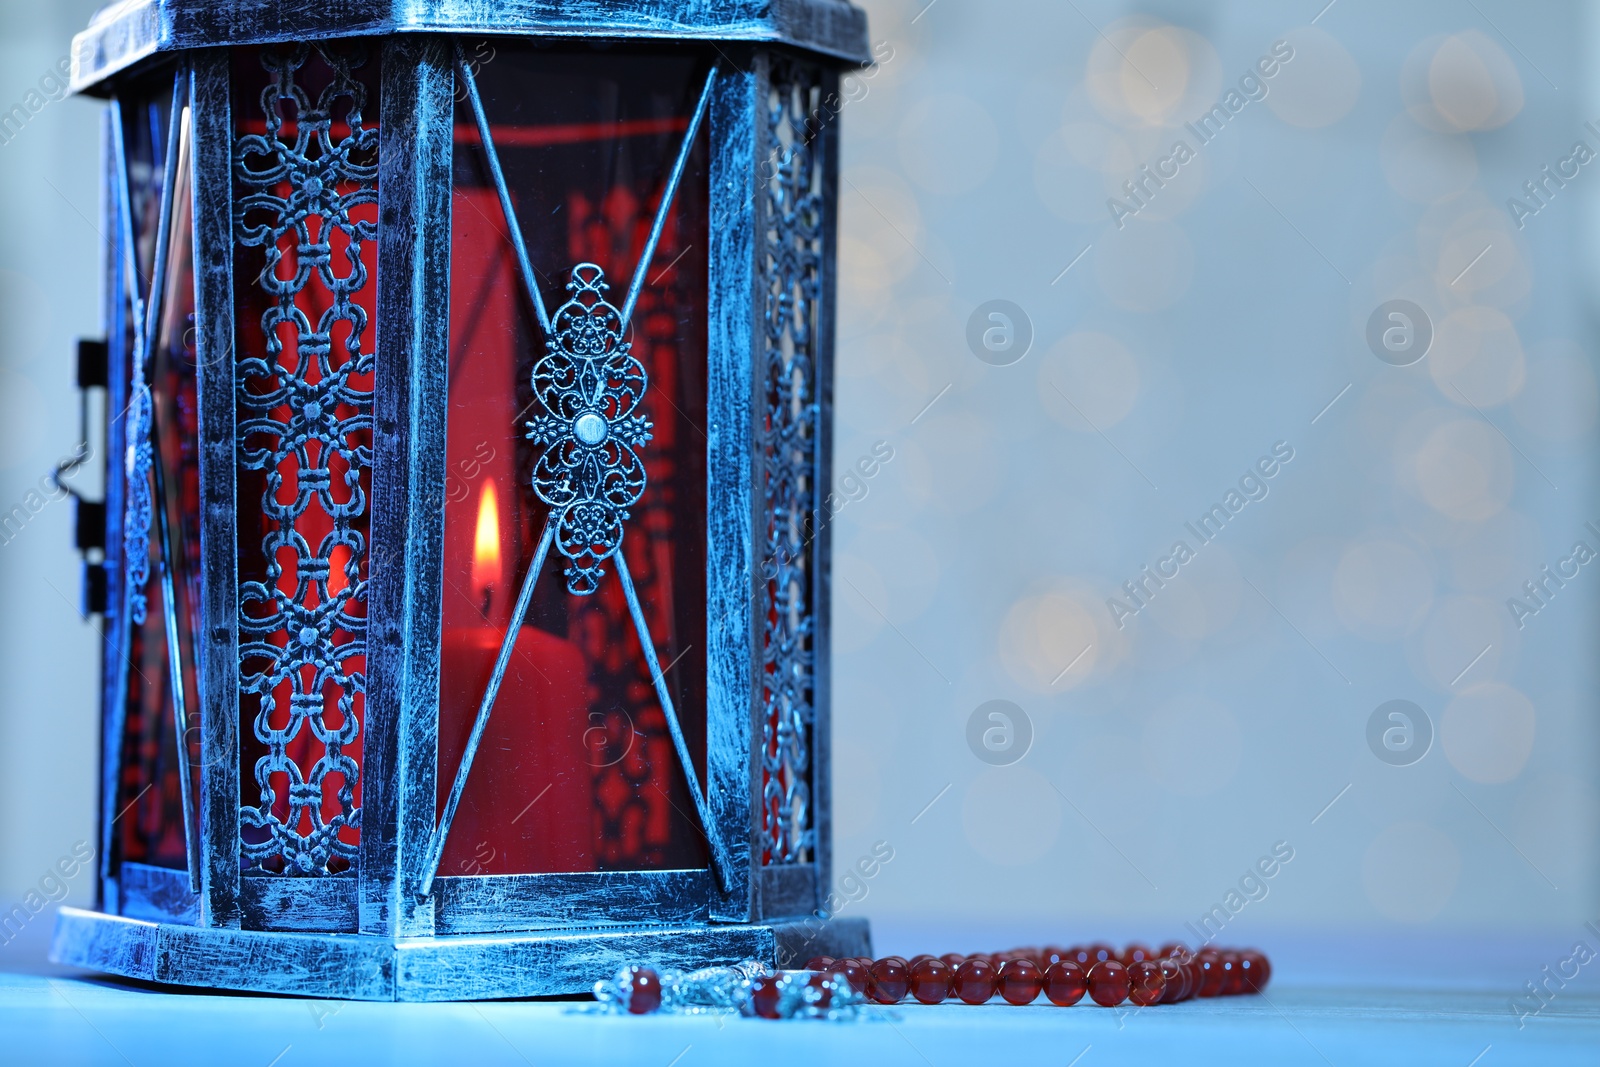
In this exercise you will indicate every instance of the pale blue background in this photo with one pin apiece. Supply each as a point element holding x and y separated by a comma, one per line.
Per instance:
<point>1224,318</point>
<point>1186,744</point>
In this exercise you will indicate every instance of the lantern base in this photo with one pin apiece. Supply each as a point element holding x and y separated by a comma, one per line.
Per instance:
<point>455,967</point>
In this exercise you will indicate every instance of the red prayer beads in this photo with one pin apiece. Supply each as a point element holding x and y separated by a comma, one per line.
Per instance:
<point>1211,975</point>
<point>1108,983</point>
<point>1063,975</point>
<point>1065,983</point>
<point>975,980</point>
<point>889,980</point>
<point>1255,969</point>
<point>1020,981</point>
<point>1136,954</point>
<point>644,991</point>
<point>1146,984</point>
<point>855,972</point>
<point>1178,985</point>
<point>764,997</point>
<point>1136,975</point>
<point>1232,976</point>
<point>930,980</point>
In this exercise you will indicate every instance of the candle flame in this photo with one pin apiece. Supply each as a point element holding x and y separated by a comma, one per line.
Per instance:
<point>486,543</point>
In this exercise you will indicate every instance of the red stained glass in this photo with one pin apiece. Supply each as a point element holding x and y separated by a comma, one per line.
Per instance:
<point>576,771</point>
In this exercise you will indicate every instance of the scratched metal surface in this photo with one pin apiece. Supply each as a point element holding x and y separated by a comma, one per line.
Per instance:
<point>291,958</point>
<point>135,31</point>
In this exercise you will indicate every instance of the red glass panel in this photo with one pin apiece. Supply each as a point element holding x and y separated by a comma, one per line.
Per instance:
<point>150,813</point>
<point>577,771</point>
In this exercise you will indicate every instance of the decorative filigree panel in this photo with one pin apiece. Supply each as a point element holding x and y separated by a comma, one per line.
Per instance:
<point>790,260</point>
<point>136,526</point>
<point>590,386</point>
<point>306,194</point>
<point>142,148</point>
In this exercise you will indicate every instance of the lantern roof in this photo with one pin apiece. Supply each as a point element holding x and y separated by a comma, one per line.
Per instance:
<point>122,34</point>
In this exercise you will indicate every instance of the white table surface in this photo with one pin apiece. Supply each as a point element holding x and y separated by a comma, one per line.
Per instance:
<point>1334,1000</point>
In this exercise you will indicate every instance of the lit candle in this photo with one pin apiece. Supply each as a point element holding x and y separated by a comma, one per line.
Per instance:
<point>528,803</point>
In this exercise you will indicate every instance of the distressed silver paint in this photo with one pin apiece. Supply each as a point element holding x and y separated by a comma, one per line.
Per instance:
<point>122,35</point>
<point>375,933</point>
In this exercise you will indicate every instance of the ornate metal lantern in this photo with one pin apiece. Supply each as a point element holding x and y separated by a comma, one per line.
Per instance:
<point>464,573</point>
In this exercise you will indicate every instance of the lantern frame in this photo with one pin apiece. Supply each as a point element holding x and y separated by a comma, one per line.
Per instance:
<point>373,933</point>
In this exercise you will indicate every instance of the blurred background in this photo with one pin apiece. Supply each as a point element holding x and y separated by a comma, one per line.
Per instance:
<point>1076,340</point>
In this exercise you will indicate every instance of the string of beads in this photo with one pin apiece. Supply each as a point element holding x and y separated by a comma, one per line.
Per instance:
<point>1062,975</point>
<point>839,988</point>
